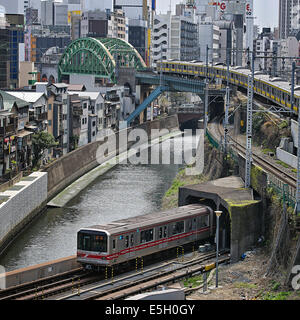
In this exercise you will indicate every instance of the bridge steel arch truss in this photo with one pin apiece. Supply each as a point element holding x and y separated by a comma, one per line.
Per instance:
<point>98,57</point>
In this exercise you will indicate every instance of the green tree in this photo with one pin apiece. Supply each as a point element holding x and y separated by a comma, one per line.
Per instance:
<point>40,142</point>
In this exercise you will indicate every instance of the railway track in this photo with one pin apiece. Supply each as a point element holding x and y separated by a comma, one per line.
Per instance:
<point>81,285</point>
<point>263,163</point>
<point>44,287</point>
<point>148,279</point>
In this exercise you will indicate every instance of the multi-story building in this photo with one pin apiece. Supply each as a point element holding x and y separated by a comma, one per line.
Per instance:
<point>48,64</point>
<point>38,39</point>
<point>16,46</point>
<point>4,54</point>
<point>263,47</point>
<point>13,6</point>
<point>111,107</point>
<point>75,21</point>
<point>137,36</point>
<point>209,36</point>
<point>133,9</point>
<point>289,14</point>
<point>15,140</point>
<point>104,24</point>
<point>37,102</point>
<point>54,13</point>
<point>27,74</point>
<point>118,25</point>
<point>174,37</point>
<point>58,123</point>
<point>96,104</point>
<point>94,24</point>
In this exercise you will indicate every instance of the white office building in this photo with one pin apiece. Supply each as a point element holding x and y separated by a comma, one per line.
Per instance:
<point>13,6</point>
<point>174,37</point>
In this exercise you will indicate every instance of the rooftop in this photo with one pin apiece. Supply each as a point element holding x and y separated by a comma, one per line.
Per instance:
<point>27,96</point>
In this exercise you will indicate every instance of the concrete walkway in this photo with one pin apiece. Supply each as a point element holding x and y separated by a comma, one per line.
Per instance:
<point>76,187</point>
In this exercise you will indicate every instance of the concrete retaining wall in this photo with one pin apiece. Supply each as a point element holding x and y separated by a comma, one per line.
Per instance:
<point>20,202</point>
<point>39,271</point>
<point>246,227</point>
<point>286,157</point>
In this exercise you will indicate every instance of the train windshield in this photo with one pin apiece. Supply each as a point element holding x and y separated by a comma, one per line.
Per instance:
<point>92,241</point>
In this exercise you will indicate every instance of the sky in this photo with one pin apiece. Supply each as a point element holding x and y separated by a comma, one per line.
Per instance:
<point>265,11</point>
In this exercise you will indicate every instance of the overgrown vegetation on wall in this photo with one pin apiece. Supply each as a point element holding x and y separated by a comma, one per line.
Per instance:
<point>268,130</point>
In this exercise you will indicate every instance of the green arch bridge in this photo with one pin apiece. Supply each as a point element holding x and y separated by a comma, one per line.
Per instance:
<point>99,57</point>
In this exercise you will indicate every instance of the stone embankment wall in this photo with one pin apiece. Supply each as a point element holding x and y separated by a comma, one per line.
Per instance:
<point>20,203</point>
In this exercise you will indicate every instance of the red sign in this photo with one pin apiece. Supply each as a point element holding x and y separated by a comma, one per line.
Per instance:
<point>223,6</point>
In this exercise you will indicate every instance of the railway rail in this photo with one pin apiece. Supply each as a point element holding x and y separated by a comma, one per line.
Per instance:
<point>81,285</point>
<point>148,279</point>
<point>263,163</point>
<point>44,286</point>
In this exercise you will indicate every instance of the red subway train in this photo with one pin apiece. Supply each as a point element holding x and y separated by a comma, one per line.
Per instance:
<point>127,239</point>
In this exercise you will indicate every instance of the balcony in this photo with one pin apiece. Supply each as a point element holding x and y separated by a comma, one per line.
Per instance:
<point>7,130</point>
<point>42,116</point>
<point>113,97</point>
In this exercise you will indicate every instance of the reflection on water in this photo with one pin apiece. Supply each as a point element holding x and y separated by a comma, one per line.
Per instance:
<point>125,191</point>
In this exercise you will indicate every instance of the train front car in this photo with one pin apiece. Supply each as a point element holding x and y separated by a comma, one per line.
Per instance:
<point>92,248</point>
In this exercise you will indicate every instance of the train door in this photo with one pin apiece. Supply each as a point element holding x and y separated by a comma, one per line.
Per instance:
<point>163,235</point>
<point>131,244</point>
<point>113,246</point>
<point>194,228</point>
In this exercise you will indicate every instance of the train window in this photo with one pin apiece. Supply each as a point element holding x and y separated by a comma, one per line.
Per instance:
<point>178,227</point>
<point>160,232</point>
<point>190,225</point>
<point>203,221</point>
<point>114,244</point>
<point>126,241</point>
<point>92,241</point>
<point>165,231</point>
<point>131,240</point>
<point>146,235</point>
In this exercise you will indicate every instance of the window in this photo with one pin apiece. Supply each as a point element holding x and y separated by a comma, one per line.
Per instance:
<point>160,233</point>
<point>114,244</point>
<point>178,227</point>
<point>146,235</point>
<point>203,221</point>
<point>165,231</point>
<point>49,122</point>
<point>190,225</point>
<point>126,241</point>
<point>131,240</point>
<point>92,241</point>
<point>49,106</point>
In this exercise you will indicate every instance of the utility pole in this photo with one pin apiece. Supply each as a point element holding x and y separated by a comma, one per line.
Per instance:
<point>249,125</point>
<point>206,93</point>
<point>227,104</point>
<point>298,146</point>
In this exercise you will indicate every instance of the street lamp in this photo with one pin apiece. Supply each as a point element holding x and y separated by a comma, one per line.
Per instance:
<point>218,214</point>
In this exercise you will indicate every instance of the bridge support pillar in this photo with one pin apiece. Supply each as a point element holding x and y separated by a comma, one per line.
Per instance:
<point>142,92</point>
